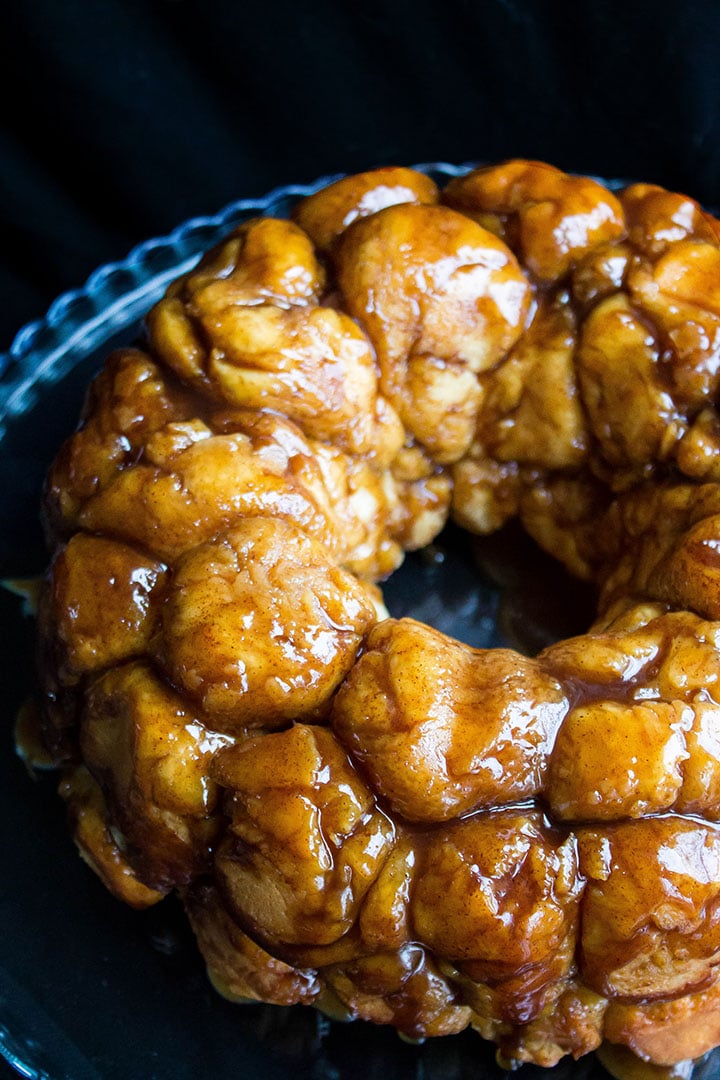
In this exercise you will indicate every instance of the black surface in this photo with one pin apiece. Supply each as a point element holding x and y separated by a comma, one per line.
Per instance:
<point>90,990</point>
<point>124,117</point>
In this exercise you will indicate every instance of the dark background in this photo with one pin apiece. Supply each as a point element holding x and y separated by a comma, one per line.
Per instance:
<point>123,118</point>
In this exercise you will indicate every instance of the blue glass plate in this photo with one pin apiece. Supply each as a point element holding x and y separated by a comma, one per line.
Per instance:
<point>90,990</point>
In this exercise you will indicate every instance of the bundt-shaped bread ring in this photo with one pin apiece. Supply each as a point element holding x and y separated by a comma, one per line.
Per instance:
<point>357,811</point>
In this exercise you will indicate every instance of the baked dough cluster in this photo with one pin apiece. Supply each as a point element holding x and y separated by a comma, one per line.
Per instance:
<point>359,812</point>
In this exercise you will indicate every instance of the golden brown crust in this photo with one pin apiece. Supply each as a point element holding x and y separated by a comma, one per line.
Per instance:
<point>238,967</point>
<point>260,628</point>
<point>442,729</point>
<point>441,300</point>
<point>553,219</point>
<point>365,813</point>
<point>325,215</point>
<point>679,1029</point>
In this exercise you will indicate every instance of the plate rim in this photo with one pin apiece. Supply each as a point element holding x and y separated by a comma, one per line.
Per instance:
<point>39,348</point>
<point>76,323</point>
<point>122,286</point>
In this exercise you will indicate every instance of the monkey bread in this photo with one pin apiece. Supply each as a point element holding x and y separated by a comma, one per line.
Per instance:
<point>360,812</point>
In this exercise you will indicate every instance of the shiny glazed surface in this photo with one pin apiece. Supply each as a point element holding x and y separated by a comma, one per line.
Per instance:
<point>369,815</point>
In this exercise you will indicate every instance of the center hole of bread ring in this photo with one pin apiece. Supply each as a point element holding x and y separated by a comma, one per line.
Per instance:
<point>431,831</point>
<point>489,592</point>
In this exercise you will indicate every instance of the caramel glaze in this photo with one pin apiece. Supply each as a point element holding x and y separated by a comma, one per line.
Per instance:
<point>361,812</point>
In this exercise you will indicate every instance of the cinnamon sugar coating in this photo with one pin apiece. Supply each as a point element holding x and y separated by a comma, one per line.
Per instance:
<point>361,812</point>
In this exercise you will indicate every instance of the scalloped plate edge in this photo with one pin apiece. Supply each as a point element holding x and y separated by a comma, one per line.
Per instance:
<point>119,292</point>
